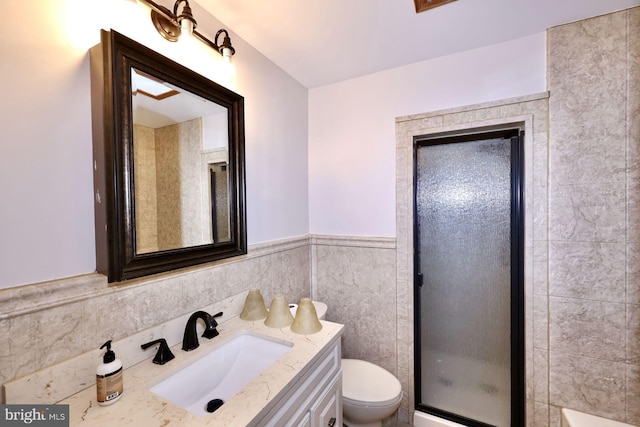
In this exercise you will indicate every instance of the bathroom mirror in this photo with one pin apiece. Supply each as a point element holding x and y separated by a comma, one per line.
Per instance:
<point>169,163</point>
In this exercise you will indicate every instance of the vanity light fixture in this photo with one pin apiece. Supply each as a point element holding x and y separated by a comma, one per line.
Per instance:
<point>172,26</point>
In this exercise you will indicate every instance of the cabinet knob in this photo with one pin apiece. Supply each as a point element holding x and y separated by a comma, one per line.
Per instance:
<point>332,422</point>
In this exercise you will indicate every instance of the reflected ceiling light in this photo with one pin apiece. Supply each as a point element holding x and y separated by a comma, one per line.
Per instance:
<point>172,25</point>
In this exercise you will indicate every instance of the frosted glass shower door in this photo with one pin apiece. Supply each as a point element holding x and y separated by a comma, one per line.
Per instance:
<point>465,277</point>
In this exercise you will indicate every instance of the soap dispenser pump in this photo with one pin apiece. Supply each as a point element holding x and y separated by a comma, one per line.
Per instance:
<point>109,382</point>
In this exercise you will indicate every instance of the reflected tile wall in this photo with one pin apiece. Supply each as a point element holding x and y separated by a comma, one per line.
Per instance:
<point>594,268</point>
<point>144,153</point>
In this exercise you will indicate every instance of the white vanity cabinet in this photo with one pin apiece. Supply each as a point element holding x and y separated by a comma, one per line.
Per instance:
<point>315,400</point>
<point>328,411</point>
<point>303,387</point>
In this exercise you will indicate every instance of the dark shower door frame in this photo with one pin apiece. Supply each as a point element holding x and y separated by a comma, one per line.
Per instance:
<point>516,136</point>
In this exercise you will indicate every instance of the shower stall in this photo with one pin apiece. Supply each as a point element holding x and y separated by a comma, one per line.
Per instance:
<point>469,278</point>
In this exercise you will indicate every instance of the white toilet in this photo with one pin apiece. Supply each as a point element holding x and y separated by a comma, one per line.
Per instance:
<point>369,393</point>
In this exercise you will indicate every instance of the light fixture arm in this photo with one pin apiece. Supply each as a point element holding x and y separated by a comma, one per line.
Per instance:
<point>226,43</point>
<point>161,10</point>
<point>175,6</point>
<point>167,23</point>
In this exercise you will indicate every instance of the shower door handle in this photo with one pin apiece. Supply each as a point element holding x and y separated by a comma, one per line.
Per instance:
<point>419,280</point>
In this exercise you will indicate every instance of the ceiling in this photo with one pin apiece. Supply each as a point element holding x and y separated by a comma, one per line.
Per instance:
<point>158,104</point>
<point>320,42</point>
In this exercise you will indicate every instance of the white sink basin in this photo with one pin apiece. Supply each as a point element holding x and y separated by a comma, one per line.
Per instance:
<point>221,373</point>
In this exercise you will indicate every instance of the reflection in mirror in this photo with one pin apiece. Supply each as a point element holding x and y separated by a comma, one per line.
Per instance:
<point>169,169</point>
<point>180,143</point>
<point>219,184</point>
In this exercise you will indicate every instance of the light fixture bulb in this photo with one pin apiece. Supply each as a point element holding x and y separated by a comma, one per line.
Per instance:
<point>226,54</point>
<point>186,27</point>
<point>227,69</point>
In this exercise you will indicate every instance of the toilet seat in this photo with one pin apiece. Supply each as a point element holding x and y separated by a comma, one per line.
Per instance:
<point>366,384</point>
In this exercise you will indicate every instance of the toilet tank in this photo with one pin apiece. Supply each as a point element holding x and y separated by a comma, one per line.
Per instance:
<point>321,309</point>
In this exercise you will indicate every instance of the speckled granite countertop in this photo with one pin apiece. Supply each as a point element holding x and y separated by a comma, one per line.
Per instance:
<point>140,407</point>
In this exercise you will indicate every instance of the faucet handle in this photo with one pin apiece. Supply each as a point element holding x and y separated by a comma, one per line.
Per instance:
<point>210,331</point>
<point>164,353</point>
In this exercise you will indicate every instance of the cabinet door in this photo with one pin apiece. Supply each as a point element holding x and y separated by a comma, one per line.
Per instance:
<point>328,411</point>
<point>302,398</point>
<point>305,421</point>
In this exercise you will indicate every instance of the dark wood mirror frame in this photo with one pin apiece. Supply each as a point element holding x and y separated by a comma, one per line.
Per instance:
<point>111,64</point>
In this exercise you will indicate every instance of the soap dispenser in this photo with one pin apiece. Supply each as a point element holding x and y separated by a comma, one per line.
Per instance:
<point>109,382</point>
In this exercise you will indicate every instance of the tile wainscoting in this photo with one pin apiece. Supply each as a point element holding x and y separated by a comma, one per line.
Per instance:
<point>356,277</point>
<point>47,323</point>
<point>50,323</point>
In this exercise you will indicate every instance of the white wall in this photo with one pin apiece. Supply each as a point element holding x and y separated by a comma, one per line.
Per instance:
<point>340,182</point>
<point>352,126</point>
<point>46,210</point>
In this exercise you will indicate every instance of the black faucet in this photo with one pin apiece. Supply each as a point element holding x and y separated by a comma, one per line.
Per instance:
<point>190,340</point>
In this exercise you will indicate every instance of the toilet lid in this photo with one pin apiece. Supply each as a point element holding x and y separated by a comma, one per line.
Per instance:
<point>365,382</point>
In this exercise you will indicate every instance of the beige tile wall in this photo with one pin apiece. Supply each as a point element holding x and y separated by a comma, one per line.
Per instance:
<point>594,327</point>
<point>144,146</point>
<point>179,185</point>
<point>356,279</point>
